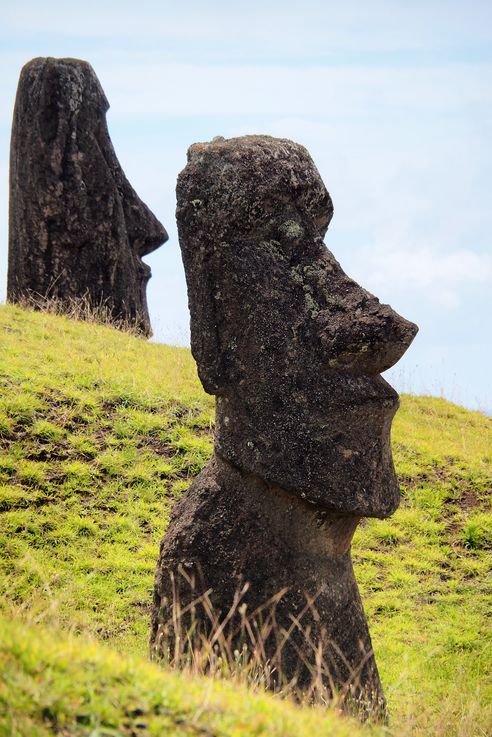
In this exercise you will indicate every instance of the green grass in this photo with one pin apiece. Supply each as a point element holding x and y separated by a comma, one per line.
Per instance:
<point>75,689</point>
<point>100,432</point>
<point>425,574</point>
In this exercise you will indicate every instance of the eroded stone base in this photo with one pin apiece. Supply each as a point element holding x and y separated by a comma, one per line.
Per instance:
<point>273,572</point>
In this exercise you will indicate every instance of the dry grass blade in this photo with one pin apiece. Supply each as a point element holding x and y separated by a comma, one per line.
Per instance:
<point>234,645</point>
<point>80,308</point>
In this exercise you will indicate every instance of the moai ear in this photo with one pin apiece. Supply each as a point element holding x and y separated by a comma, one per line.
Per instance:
<point>211,346</point>
<point>208,261</point>
<point>205,339</point>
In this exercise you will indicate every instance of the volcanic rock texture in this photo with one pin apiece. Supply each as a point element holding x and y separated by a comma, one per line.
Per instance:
<point>77,228</point>
<point>293,350</point>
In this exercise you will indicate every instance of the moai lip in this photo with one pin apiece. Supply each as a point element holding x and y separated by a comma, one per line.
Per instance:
<point>293,350</point>
<point>77,229</point>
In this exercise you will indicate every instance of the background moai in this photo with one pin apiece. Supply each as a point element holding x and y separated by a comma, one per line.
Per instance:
<point>292,348</point>
<point>77,228</point>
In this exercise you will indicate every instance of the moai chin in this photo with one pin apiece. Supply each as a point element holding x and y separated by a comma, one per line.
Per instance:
<point>77,228</point>
<point>293,350</point>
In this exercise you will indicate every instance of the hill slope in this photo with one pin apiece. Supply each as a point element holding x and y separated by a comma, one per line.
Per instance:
<point>100,432</point>
<point>67,687</point>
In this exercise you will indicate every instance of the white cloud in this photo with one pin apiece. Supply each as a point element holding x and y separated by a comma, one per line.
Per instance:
<point>428,272</point>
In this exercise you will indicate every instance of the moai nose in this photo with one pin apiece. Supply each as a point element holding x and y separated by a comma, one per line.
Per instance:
<point>145,232</point>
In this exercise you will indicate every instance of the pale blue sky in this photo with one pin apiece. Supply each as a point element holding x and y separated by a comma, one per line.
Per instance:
<point>392,98</point>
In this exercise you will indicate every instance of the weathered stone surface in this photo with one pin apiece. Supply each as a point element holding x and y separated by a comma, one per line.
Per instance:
<point>292,348</point>
<point>77,228</point>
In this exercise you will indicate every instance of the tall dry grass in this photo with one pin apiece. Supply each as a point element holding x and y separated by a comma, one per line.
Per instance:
<point>81,308</point>
<point>250,647</point>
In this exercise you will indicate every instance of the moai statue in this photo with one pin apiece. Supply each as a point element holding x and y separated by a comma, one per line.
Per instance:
<point>293,350</point>
<point>77,228</point>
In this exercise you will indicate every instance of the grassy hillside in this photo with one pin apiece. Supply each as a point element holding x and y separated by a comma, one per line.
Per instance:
<point>99,433</point>
<point>65,687</point>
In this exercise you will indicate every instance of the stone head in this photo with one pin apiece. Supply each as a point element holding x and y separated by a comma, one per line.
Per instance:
<point>289,344</point>
<point>77,227</point>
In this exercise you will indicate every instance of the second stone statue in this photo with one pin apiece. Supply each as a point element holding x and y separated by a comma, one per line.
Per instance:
<point>258,549</point>
<point>77,229</point>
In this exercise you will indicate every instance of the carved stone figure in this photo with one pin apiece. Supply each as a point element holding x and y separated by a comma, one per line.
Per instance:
<point>293,349</point>
<point>77,228</point>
